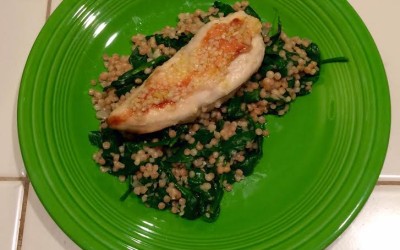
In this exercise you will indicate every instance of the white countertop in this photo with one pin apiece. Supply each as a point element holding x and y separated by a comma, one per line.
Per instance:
<point>24,224</point>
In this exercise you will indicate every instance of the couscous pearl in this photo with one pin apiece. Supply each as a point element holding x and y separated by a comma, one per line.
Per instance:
<point>161,205</point>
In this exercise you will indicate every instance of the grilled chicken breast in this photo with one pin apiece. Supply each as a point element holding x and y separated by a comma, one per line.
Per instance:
<point>220,58</point>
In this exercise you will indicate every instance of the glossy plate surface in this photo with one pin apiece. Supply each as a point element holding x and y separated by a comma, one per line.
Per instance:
<point>321,160</point>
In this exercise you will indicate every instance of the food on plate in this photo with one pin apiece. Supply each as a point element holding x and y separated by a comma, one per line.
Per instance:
<point>222,55</point>
<point>180,151</point>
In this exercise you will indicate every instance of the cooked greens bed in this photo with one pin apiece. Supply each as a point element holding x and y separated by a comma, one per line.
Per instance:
<point>187,168</point>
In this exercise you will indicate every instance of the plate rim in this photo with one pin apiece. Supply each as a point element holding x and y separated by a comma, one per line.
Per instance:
<point>24,151</point>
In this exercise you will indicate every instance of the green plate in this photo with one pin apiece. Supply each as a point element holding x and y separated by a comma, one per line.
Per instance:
<point>321,161</point>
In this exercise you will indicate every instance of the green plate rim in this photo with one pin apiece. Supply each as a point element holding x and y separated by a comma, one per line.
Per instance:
<point>37,181</point>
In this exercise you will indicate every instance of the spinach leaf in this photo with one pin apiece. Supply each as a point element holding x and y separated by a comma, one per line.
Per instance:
<point>192,203</point>
<point>203,135</point>
<point>127,193</point>
<point>180,157</point>
<point>252,158</point>
<point>309,78</point>
<point>220,123</point>
<point>124,89</point>
<point>129,169</point>
<point>274,38</point>
<point>313,52</point>
<point>302,92</point>
<point>136,59</point>
<point>198,179</point>
<point>125,82</point>
<point>234,109</point>
<point>112,136</point>
<point>164,138</point>
<point>133,147</point>
<point>206,152</point>
<point>253,96</point>
<point>247,166</point>
<point>237,142</point>
<point>250,11</point>
<point>177,44</point>
<point>230,177</point>
<point>226,9</point>
<point>215,205</point>
<point>274,63</point>
<point>95,139</point>
<point>291,82</point>
<point>153,200</point>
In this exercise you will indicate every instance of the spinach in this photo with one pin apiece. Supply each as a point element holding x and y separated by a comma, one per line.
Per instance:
<point>183,39</point>
<point>153,199</point>
<point>114,137</point>
<point>253,157</point>
<point>133,147</point>
<point>206,152</point>
<point>302,92</point>
<point>252,96</point>
<point>164,138</point>
<point>277,65</point>
<point>215,204</point>
<point>166,166</point>
<point>309,78</point>
<point>124,89</point>
<point>203,135</point>
<point>106,135</point>
<point>130,168</point>
<point>291,82</point>
<point>272,61</point>
<point>237,142</point>
<point>220,123</point>
<point>274,38</point>
<point>127,193</point>
<point>95,139</point>
<point>234,109</point>
<point>192,203</point>
<point>136,59</point>
<point>250,11</point>
<point>180,157</point>
<point>230,177</point>
<point>125,82</point>
<point>247,166</point>
<point>313,52</point>
<point>226,9</point>
<point>198,179</point>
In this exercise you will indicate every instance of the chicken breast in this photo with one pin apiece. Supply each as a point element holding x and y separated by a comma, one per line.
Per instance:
<point>220,58</point>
